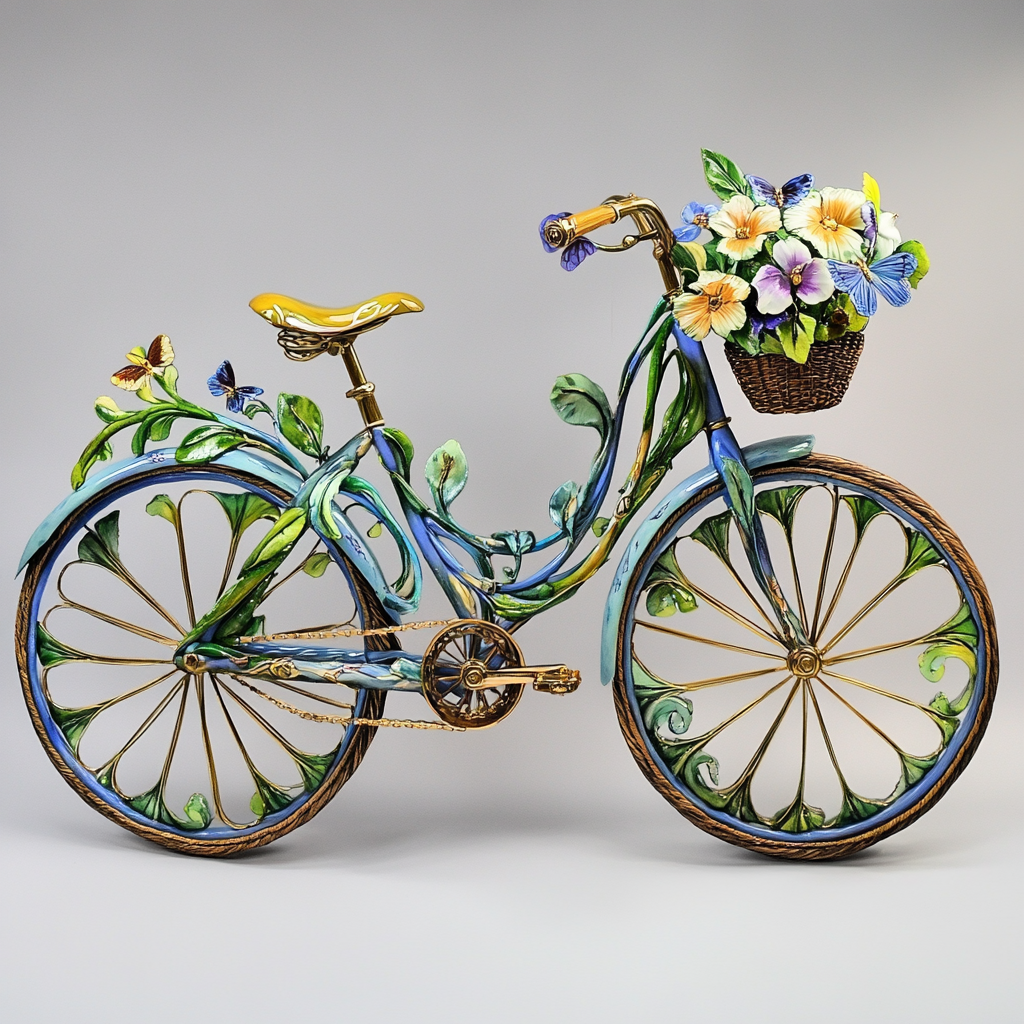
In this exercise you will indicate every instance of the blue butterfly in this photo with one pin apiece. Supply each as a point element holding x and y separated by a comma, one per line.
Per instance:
<point>223,383</point>
<point>791,193</point>
<point>863,282</point>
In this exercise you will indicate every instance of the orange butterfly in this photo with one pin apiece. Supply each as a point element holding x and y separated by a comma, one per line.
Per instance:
<point>144,364</point>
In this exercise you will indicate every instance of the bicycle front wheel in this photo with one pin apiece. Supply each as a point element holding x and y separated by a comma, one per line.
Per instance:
<point>821,750</point>
<point>200,763</point>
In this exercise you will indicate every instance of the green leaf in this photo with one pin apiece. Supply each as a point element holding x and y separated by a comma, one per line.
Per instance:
<point>799,817</point>
<point>920,553</point>
<point>52,651</point>
<point>863,510</point>
<point>961,628</point>
<point>690,256</point>
<point>375,530</point>
<point>243,510</point>
<point>745,340</point>
<point>796,337</point>
<point>667,718</point>
<point>205,443</point>
<point>107,410</point>
<point>197,812</point>
<point>713,533</point>
<point>665,599</point>
<point>917,250</point>
<point>599,526</point>
<point>716,261</point>
<point>316,565</point>
<point>446,472</point>
<point>933,661</point>
<point>684,418</point>
<point>73,722</point>
<point>162,506</point>
<point>770,345</point>
<point>300,420</point>
<point>563,505</point>
<point>280,538</point>
<point>581,402</point>
<point>100,544</point>
<point>780,503</point>
<point>313,768</point>
<point>724,178</point>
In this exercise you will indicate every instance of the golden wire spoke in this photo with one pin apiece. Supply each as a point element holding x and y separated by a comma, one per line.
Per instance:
<point>174,739</point>
<point>736,616</point>
<point>864,611</point>
<point>703,741</point>
<point>825,736</point>
<point>186,585</point>
<point>306,693</point>
<point>762,749</point>
<point>133,584</point>
<point>70,602</point>
<point>701,684</point>
<point>660,628</point>
<point>753,600</point>
<point>930,712</point>
<point>864,718</point>
<point>112,762</point>
<point>293,751</point>
<point>211,763</point>
<point>867,652</point>
<point>826,561</point>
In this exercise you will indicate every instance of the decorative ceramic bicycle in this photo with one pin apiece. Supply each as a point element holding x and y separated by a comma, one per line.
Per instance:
<point>783,695</point>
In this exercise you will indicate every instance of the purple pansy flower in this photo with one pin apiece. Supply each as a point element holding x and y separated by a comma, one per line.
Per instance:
<point>695,219</point>
<point>796,273</point>
<point>761,322</point>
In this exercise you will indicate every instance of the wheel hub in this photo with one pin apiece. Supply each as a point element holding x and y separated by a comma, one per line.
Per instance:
<point>804,662</point>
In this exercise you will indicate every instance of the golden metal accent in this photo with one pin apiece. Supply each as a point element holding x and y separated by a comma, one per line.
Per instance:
<point>717,425</point>
<point>282,668</point>
<point>362,390</point>
<point>864,611</point>
<point>866,652</point>
<point>867,721</point>
<point>331,632</point>
<point>930,712</point>
<point>657,627</point>
<point>734,677</point>
<point>558,679</point>
<point>312,716</point>
<point>755,762</point>
<point>742,620</point>
<point>826,559</point>
<point>147,634</point>
<point>193,663</point>
<point>804,662</point>
<point>706,738</point>
<point>179,531</point>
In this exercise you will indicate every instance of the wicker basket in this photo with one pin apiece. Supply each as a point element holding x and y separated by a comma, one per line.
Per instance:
<point>776,384</point>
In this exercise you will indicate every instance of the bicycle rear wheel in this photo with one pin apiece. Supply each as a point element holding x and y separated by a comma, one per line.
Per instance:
<point>820,751</point>
<point>200,763</point>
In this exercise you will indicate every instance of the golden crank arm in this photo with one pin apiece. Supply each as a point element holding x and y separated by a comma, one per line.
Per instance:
<point>545,678</point>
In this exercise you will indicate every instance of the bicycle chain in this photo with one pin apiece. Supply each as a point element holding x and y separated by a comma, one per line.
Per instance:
<point>336,631</point>
<point>326,634</point>
<point>312,716</point>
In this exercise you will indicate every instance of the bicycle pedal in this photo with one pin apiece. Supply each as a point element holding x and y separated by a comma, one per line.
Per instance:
<point>559,679</point>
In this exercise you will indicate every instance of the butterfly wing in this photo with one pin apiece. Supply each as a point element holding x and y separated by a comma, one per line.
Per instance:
<point>764,191</point>
<point>249,392</point>
<point>131,378</point>
<point>890,275</point>
<point>237,397</point>
<point>160,354</point>
<point>576,252</point>
<point>223,379</point>
<point>796,189</point>
<point>854,282</point>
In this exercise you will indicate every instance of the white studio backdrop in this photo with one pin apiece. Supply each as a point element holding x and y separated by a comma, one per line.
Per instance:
<point>164,162</point>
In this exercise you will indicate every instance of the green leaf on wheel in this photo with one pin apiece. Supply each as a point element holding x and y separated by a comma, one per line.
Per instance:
<point>665,599</point>
<point>52,651</point>
<point>668,718</point>
<point>920,553</point>
<point>724,178</point>
<point>313,768</point>
<point>316,565</point>
<point>73,722</point>
<point>780,503</point>
<point>713,533</point>
<point>163,507</point>
<point>300,420</point>
<point>100,544</point>
<point>268,798</point>
<point>799,817</point>
<point>243,510</point>
<point>197,812</point>
<point>863,510</point>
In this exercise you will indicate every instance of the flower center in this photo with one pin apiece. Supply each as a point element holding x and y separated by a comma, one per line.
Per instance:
<point>830,223</point>
<point>700,219</point>
<point>742,232</point>
<point>714,302</point>
<point>797,276</point>
<point>840,318</point>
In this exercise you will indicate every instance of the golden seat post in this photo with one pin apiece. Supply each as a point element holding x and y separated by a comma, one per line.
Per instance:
<point>362,390</point>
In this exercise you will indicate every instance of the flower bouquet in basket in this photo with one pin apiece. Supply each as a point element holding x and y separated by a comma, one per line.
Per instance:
<point>790,278</point>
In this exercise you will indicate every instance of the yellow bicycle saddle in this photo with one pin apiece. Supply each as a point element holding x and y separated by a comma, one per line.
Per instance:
<point>286,312</point>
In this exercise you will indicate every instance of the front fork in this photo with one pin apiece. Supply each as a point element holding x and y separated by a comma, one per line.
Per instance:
<point>727,458</point>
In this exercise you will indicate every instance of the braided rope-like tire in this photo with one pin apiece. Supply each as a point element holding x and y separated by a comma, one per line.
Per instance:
<point>374,616</point>
<point>842,471</point>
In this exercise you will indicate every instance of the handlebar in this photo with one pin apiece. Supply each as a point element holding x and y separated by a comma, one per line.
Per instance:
<point>650,222</point>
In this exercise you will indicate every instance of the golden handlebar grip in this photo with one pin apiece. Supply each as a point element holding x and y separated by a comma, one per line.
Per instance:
<point>598,217</point>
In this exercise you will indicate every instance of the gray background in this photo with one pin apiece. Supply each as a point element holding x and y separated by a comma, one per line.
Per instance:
<point>162,163</point>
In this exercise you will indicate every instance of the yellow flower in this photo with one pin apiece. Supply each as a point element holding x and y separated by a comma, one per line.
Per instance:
<point>717,306</point>
<point>829,220</point>
<point>743,226</point>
